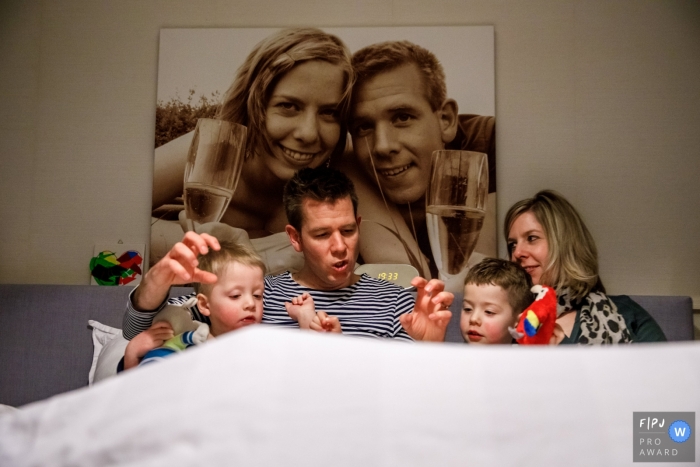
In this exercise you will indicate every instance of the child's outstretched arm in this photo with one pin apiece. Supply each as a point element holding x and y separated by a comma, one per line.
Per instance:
<point>147,340</point>
<point>302,310</point>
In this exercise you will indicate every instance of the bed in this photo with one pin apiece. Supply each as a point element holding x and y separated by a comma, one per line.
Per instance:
<point>268,396</point>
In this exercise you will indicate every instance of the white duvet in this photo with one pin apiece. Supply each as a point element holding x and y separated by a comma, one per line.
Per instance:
<point>269,397</point>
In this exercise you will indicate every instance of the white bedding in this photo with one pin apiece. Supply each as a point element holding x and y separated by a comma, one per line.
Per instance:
<point>268,397</point>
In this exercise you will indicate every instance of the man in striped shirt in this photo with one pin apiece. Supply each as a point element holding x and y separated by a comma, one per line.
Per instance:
<point>321,207</point>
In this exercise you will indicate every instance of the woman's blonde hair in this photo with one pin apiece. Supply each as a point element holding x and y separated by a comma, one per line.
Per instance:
<point>247,98</point>
<point>572,259</point>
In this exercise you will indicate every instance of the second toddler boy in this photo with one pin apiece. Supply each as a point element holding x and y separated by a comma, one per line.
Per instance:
<point>496,292</point>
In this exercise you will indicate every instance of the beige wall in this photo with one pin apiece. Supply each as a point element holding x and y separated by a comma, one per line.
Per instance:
<point>597,99</point>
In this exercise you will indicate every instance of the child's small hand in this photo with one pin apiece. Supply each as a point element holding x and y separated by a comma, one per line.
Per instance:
<point>557,336</point>
<point>324,323</point>
<point>149,339</point>
<point>302,310</point>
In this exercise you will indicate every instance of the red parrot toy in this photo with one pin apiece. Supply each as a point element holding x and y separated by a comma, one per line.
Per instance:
<point>536,323</point>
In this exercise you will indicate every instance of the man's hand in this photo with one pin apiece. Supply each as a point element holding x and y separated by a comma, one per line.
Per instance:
<point>428,320</point>
<point>322,322</point>
<point>179,266</point>
<point>302,310</point>
<point>149,339</point>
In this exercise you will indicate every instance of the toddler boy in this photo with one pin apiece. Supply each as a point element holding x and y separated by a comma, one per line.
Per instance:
<point>234,301</point>
<point>496,292</point>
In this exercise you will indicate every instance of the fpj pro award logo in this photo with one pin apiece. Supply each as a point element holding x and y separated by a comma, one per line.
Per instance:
<point>664,437</point>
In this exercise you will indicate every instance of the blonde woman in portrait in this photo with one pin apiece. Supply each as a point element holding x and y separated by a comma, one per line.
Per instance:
<point>292,93</point>
<point>547,236</point>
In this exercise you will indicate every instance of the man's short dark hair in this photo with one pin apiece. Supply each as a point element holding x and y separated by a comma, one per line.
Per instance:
<point>319,184</point>
<point>374,59</point>
<point>509,276</point>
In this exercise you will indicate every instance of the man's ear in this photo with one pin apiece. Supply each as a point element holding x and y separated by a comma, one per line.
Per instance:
<point>203,304</point>
<point>294,238</point>
<point>448,120</point>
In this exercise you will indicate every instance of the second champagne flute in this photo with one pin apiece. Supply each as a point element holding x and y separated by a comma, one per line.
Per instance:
<point>455,207</point>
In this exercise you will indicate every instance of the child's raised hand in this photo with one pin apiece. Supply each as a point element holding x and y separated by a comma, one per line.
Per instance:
<point>178,266</point>
<point>322,322</point>
<point>149,339</point>
<point>302,310</point>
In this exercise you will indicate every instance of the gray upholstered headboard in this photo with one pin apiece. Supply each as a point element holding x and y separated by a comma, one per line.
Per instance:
<point>45,343</point>
<point>673,313</point>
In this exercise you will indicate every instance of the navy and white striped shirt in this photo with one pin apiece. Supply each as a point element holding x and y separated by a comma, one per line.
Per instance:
<point>136,321</point>
<point>368,308</point>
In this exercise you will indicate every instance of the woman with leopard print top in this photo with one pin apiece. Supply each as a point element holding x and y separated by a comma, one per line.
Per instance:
<point>546,235</point>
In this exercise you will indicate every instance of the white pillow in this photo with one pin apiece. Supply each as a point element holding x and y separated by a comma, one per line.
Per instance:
<point>109,349</point>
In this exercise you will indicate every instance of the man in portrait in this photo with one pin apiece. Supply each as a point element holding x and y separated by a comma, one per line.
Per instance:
<point>400,114</point>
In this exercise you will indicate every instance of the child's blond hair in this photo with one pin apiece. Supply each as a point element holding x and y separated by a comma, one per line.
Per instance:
<point>216,262</point>
<point>509,276</point>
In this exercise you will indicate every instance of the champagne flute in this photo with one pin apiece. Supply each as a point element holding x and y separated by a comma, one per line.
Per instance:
<point>214,164</point>
<point>456,207</point>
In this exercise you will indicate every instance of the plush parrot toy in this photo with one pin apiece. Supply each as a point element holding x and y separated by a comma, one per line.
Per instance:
<point>536,323</point>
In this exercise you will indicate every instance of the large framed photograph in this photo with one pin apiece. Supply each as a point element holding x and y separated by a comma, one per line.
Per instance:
<point>383,137</point>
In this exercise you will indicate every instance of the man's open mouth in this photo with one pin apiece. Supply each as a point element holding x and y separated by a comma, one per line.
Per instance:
<point>340,265</point>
